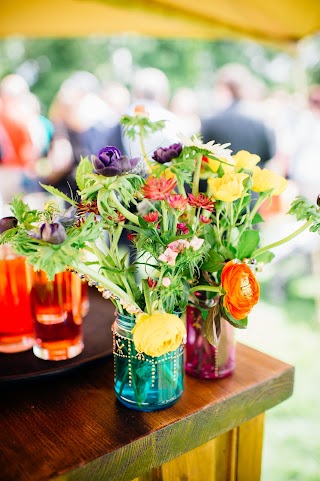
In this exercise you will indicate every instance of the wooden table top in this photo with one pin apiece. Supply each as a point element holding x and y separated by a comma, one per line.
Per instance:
<point>69,426</point>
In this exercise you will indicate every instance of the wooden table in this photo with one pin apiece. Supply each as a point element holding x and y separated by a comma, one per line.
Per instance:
<point>69,426</point>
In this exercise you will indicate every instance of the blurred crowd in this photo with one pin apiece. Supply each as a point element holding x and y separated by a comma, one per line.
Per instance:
<point>282,128</point>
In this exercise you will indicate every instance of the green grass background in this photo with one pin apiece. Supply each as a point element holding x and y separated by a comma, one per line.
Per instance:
<point>286,325</point>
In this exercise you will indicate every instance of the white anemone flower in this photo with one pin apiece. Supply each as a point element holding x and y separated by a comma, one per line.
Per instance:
<point>218,150</point>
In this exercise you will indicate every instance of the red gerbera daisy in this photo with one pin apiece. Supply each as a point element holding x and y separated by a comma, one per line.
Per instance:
<point>201,201</point>
<point>158,188</point>
<point>151,216</point>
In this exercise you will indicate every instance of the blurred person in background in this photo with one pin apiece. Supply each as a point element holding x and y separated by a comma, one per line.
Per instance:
<point>304,163</point>
<point>82,121</point>
<point>184,106</point>
<point>235,122</point>
<point>117,96</point>
<point>19,152</point>
<point>151,89</point>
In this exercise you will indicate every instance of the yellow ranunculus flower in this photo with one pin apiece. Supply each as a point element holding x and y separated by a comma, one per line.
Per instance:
<point>227,188</point>
<point>226,164</point>
<point>265,179</point>
<point>245,160</point>
<point>158,333</point>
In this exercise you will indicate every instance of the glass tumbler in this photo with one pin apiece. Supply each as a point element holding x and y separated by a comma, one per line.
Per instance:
<point>57,311</point>
<point>16,322</point>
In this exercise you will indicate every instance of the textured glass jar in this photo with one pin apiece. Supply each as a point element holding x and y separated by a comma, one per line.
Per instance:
<point>143,382</point>
<point>202,359</point>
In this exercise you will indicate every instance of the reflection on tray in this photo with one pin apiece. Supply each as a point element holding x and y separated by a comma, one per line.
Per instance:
<point>97,344</point>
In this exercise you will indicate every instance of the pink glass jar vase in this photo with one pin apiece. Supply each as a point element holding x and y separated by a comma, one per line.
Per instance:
<point>202,359</point>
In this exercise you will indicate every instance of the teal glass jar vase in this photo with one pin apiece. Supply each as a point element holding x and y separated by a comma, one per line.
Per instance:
<point>143,382</point>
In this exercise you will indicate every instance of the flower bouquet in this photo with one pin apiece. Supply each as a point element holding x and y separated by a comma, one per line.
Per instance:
<point>191,220</point>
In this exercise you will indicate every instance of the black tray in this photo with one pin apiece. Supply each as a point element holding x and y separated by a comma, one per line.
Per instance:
<point>97,344</point>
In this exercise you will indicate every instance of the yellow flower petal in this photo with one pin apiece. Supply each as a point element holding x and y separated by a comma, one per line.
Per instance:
<point>227,188</point>
<point>245,160</point>
<point>265,179</point>
<point>158,333</point>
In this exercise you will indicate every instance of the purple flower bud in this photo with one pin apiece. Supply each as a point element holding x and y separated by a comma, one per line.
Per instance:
<point>53,233</point>
<point>110,162</point>
<point>7,223</point>
<point>69,217</point>
<point>164,155</point>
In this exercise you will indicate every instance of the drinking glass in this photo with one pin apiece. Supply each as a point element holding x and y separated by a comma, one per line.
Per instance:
<point>57,311</point>
<point>16,322</point>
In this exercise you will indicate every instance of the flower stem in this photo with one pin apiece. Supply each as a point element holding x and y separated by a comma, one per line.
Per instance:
<point>305,226</point>
<point>253,212</point>
<point>205,288</point>
<point>164,216</point>
<point>143,150</point>
<point>103,281</point>
<point>121,208</point>
<point>196,177</point>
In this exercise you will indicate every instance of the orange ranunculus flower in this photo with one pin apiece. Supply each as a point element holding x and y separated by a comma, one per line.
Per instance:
<point>241,287</point>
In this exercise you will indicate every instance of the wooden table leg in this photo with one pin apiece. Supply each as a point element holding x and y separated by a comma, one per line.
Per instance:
<point>233,456</point>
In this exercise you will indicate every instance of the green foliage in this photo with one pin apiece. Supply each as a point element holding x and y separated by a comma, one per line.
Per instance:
<point>214,262</point>
<point>84,168</point>
<point>53,258</point>
<point>21,211</point>
<point>303,209</point>
<point>248,242</point>
<point>265,257</point>
<point>52,190</point>
<point>140,124</point>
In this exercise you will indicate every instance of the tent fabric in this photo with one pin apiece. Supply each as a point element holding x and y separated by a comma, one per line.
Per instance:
<point>280,21</point>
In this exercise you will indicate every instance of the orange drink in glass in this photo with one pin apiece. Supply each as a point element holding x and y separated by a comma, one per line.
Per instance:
<point>16,322</point>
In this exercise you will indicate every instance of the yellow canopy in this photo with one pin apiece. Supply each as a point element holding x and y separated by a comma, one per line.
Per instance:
<point>280,21</point>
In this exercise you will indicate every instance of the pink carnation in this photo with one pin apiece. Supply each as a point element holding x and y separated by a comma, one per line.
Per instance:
<point>179,245</point>
<point>166,282</point>
<point>196,243</point>
<point>168,256</point>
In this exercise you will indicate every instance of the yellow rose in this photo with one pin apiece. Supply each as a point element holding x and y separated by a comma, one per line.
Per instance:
<point>265,179</point>
<point>227,188</point>
<point>245,160</point>
<point>158,333</point>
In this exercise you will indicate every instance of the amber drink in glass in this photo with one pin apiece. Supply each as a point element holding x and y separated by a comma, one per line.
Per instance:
<point>57,310</point>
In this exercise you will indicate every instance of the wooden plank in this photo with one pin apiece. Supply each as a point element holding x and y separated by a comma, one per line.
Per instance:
<point>249,452</point>
<point>69,427</point>
<point>213,461</point>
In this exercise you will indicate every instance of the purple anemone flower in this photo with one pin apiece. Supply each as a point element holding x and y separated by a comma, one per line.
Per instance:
<point>7,223</point>
<point>110,162</point>
<point>53,233</point>
<point>166,154</point>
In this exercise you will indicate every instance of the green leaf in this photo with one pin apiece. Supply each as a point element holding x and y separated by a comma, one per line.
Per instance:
<point>56,192</point>
<point>214,262</point>
<point>239,323</point>
<point>248,242</point>
<point>84,168</point>
<point>257,219</point>
<point>209,234</point>
<point>265,257</point>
